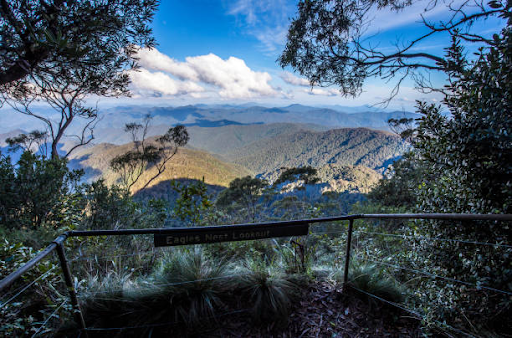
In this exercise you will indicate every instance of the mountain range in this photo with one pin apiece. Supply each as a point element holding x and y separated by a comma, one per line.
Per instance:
<point>228,141</point>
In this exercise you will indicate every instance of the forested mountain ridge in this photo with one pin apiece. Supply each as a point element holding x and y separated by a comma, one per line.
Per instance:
<point>361,146</point>
<point>331,178</point>
<point>226,139</point>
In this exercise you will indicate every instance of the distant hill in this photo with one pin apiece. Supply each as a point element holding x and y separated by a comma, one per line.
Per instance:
<point>226,139</point>
<point>369,148</point>
<point>110,128</point>
<point>187,164</point>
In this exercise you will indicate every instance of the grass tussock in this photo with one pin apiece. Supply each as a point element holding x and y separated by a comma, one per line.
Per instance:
<point>270,292</point>
<point>186,290</point>
<point>369,278</point>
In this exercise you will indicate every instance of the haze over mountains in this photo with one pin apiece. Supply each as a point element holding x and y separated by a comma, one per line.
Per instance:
<point>228,141</point>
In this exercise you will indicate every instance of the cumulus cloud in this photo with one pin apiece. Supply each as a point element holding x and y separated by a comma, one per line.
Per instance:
<point>155,60</point>
<point>323,92</point>
<point>235,79</point>
<point>294,80</point>
<point>157,82</point>
<point>230,78</point>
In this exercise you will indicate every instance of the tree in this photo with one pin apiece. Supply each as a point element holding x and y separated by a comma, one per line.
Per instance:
<point>60,52</point>
<point>145,154</point>
<point>468,158</point>
<point>37,191</point>
<point>37,35</point>
<point>35,140</point>
<point>193,201</point>
<point>327,42</point>
<point>462,161</point>
<point>305,174</point>
<point>245,191</point>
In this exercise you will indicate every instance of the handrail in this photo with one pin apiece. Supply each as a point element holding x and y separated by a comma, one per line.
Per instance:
<point>11,278</point>
<point>58,243</point>
<point>7,281</point>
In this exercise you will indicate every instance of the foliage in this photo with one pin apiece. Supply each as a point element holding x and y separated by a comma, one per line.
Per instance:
<point>469,159</point>
<point>245,192</point>
<point>462,163</point>
<point>188,288</point>
<point>305,174</point>
<point>399,187</point>
<point>269,291</point>
<point>37,191</point>
<point>132,164</point>
<point>39,36</point>
<point>327,43</point>
<point>346,146</point>
<point>18,315</point>
<point>59,52</point>
<point>27,142</point>
<point>192,203</point>
<point>198,285</point>
<point>107,207</point>
<point>369,278</point>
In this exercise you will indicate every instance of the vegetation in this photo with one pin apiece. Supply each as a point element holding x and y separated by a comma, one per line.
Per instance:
<point>454,275</point>
<point>58,52</point>
<point>327,42</point>
<point>131,165</point>
<point>37,192</point>
<point>305,174</point>
<point>460,162</point>
<point>373,149</point>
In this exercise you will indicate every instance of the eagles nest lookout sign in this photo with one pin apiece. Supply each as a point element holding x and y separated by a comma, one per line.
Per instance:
<point>233,233</point>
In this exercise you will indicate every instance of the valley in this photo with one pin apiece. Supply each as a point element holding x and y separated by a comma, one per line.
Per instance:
<point>229,141</point>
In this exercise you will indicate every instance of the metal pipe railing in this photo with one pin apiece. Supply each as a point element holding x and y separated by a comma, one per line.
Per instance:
<point>58,243</point>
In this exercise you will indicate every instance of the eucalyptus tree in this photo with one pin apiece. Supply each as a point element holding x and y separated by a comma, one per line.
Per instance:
<point>147,154</point>
<point>330,43</point>
<point>60,52</point>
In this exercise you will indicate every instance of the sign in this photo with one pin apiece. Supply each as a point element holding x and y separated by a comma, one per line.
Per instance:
<point>188,236</point>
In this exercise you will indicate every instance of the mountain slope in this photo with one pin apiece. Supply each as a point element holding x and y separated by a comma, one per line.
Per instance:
<point>226,139</point>
<point>370,148</point>
<point>187,164</point>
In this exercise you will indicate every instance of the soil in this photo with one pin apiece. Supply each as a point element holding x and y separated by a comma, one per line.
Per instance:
<point>323,310</point>
<point>326,311</point>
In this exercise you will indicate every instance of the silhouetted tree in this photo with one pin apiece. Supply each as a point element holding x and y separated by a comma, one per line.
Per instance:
<point>327,42</point>
<point>145,154</point>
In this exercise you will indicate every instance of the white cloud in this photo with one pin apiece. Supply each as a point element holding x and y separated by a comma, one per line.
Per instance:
<point>323,92</point>
<point>145,81</point>
<point>230,78</point>
<point>294,80</point>
<point>235,79</point>
<point>155,60</point>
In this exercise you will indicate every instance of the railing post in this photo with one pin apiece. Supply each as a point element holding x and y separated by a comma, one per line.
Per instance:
<point>347,255</point>
<point>71,289</point>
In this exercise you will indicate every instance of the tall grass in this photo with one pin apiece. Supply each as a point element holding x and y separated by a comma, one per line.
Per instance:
<point>185,289</point>
<point>371,279</point>
<point>270,292</point>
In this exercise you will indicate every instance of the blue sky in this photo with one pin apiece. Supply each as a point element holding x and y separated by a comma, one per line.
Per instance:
<point>225,51</point>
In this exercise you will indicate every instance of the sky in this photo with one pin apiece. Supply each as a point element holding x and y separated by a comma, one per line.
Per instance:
<point>225,51</point>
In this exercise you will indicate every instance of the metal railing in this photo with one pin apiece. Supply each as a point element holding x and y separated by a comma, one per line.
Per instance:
<point>58,244</point>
